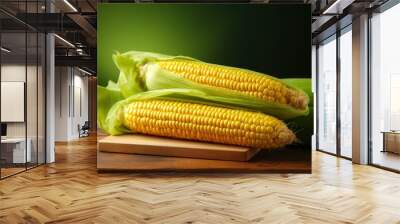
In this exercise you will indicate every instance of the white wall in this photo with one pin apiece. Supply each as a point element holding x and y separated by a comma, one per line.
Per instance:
<point>71,102</point>
<point>80,110</point>
<point>62,81</point>
<point>12,73</point>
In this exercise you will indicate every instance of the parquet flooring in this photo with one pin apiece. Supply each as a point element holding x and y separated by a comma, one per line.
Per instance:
<point>10,171</point>
<point>71,191</point>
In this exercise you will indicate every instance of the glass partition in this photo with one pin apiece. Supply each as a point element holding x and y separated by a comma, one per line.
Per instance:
<point>22,64</point>
<point>346,93</point>
<point>15,151</point>
<point>385,89</point>
<point>31,97</point>
<point>327,96</point>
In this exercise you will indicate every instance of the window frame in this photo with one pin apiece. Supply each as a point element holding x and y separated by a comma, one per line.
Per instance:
<point>336,38</point>
<point>381,9</point>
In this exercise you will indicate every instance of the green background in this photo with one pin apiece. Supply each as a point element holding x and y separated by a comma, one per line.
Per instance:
<point>273,39</point>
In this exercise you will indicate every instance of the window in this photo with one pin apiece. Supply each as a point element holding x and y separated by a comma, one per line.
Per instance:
<point>385,88</point>
<point>335,137</point>
<point>327,96</point>
<point>346,92</point>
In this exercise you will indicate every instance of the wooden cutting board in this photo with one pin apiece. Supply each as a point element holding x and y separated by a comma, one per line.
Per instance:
<point>152,145</point>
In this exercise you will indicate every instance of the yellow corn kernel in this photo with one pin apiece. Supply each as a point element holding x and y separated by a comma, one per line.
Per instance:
<point>239,80</point>
<point>207,123</point>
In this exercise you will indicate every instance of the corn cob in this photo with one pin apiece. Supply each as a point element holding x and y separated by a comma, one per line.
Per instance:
<point>209,83</point>
<point>206,123</point>
<point>239,80</point>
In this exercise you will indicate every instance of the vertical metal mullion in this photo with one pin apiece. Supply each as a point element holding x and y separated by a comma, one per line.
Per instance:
<point>73,92</point>
<point>338,100</point>
<point>369,79</point>
<point>60,88</point>
<point>317,96</point>
<point>45,87</point>
<point>26,86</point>
<point>37,90</point>
<point>69,93</point>
<point>45,94</point>
<point>44,72</point>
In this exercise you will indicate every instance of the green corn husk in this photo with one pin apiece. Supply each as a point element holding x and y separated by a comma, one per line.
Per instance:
<point>303,84</point>
<point>107,97</point>
<point>110,102</point>
<point>139,72</point>
<point>304,125</point>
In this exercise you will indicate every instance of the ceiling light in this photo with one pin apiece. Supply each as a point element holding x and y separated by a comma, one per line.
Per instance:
<point>5,50</point>
<point>337,7</point>
<point>65,41</point>
<point>79,51</point>
<point>84,71</point>
<point>329,9</point>
<point>70,5</point>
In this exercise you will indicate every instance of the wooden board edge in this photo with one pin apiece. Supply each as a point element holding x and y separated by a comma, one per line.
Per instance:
<point>296,169</point>
<point>181,152</point>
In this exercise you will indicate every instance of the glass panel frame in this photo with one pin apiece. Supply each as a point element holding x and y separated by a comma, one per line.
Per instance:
<point>339,88</point>
<point>27,57</point>
<point>345,93</point>
<point>32,97</point>
<point>14,147</point>
<point>32,82</point>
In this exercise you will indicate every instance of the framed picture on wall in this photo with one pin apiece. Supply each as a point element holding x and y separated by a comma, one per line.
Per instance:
<point>189,82</point>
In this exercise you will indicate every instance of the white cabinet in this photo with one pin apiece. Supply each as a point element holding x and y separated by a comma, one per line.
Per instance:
<point>17,147</point>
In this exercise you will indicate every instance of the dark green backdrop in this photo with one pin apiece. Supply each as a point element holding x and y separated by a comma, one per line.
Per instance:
<point>273,39</point>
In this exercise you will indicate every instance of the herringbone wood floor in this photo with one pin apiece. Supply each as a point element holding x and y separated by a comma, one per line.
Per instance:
<point>71,191</point>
